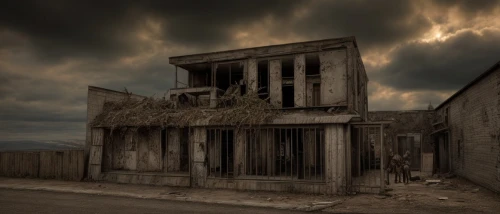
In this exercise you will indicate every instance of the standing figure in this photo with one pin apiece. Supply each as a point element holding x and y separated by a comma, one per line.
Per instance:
<point>396,165</point>
<point>407,157</point>
<point>406,172</point>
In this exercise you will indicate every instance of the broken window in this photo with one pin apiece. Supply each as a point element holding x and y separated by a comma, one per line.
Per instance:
<point>229,74</point>
<point>312,64</point>
<point>313,80</point>
<point>200,75</point>
<point>182,78</point>
<point>288,96</point>
<point>287,67</point>
<point>285,153</point>
<point>220,152</point>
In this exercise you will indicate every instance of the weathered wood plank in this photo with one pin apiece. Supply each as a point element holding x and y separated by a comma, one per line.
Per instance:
<point>94,172</point>
<point>142,153</point>
<point>118,153</point>
<point>66,165</point>
<point>154,158</point>
<point>38,164</point>
<point>96,155</point>
<point>97,136</point>
<point>172,161</point>
<point>58,159</point>
<point>333,70</point>
<point>292,48</point>
<point>239,155</point>
<point>252,74</point>
<point>275,94</point>
<point>107,155</point>
<point>299,82</point>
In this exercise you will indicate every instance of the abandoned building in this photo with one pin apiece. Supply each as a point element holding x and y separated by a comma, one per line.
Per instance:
<point>291,117</point>
<point>467,131</point>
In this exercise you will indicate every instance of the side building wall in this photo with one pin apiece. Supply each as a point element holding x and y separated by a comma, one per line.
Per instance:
<point>96,98</point>
<point>474,127</point>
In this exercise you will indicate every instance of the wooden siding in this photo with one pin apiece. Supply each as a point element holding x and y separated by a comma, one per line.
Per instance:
<point>62,165</point>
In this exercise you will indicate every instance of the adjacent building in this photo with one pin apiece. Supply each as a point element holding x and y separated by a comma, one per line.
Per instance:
<point>467,131</point>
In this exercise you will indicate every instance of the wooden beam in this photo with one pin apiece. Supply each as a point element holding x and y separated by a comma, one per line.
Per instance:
<point>275,94</point>
<point>291,48</point>
<point>299,84</point>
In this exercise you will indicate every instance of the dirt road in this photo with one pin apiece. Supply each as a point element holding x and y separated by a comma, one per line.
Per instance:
<point>23,201</point>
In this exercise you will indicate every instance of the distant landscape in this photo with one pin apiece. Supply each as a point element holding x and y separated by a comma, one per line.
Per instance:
<point>27,145</point>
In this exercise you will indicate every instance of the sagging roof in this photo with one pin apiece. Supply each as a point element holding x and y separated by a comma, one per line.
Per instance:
<point>479,78</point>
<point>271,50</point>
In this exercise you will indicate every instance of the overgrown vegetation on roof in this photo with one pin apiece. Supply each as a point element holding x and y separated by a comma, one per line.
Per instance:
<point>233,110</point>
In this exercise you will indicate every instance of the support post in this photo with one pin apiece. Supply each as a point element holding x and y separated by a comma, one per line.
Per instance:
<point>382,178</point>
<point>175,85</point>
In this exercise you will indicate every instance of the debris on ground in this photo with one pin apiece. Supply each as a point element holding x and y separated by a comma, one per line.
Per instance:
<point>443,198</point>
<point>432,181</point>
<point>316,206</point>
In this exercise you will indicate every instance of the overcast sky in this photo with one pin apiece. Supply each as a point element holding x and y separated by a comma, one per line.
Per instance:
<point>415,52</point>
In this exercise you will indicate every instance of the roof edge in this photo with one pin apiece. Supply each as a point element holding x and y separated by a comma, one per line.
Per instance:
<point>348,38</point>
<point>474,81</point>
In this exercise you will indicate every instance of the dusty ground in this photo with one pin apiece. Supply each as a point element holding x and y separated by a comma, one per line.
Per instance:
<point>26,201</point>
<point>457,196</point>
<point>417,197</point>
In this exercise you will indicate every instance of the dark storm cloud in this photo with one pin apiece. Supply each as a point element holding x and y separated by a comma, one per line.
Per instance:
<point>50,51</point>
<point>61,29</point>
<point>374,23</point>
<point>469,8</point>
<point>446,65</point>
<point>71,28</point>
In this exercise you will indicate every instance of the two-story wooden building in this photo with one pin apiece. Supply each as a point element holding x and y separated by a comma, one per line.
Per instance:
<point>322,143</point>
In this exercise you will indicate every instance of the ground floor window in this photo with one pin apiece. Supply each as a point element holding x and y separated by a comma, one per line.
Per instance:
<point>285,153</point>
<point>220,152</point>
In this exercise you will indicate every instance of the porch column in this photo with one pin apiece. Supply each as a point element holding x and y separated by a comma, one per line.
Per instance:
<point>382,155</point>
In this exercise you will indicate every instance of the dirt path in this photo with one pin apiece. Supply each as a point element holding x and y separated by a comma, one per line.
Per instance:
<point>457,196</point>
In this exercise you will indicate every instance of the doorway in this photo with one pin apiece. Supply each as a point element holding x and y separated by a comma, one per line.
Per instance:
<point>411,142</point>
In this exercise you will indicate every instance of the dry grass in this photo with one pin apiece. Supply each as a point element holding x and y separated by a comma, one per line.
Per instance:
<point>233,110</point>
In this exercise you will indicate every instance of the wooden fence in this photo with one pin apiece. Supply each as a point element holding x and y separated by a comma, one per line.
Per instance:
<point>61,165</point>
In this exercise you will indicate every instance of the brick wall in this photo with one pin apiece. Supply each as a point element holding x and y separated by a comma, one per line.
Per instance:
<point>474,125</point>
<point>96,98</point>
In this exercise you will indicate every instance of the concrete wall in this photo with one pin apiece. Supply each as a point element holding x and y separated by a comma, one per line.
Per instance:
<point>474,122</point>
<point>62,165</point>
<point>96,98</point>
